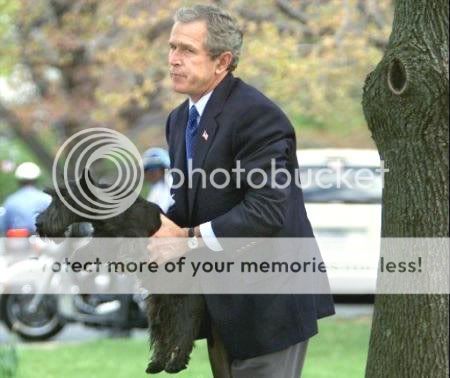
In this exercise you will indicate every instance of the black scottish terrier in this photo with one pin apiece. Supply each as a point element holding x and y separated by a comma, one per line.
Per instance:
<point>174,320</point>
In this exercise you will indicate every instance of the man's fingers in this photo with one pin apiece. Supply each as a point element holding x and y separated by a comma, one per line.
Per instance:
<point>164,219</point>
<point>168,229</point>
<point>163,232</point>
<point>159,242</point>
<point>164,249</point>
<point>157,258</point>
<point>159,253</point>
<point>167,223</point>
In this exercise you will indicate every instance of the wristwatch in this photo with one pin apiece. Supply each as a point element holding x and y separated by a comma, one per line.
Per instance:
<point>192,239</point>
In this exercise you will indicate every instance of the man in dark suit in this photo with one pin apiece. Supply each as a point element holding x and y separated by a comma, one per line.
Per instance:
<point>225,122</point>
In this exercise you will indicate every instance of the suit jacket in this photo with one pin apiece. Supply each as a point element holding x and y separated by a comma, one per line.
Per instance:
<point>242,124</point>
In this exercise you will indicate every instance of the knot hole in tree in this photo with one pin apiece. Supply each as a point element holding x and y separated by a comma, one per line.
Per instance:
<point>397,77</point>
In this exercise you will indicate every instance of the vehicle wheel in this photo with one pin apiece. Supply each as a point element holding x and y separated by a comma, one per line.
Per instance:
<point>33,326</point>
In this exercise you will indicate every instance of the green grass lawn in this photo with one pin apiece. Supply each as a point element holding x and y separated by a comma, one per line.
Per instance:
<point>339,350</point>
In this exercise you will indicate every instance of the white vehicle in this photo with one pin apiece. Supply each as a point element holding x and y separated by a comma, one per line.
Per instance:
<point>342,192</point>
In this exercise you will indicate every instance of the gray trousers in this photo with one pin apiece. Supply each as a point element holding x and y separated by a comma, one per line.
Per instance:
<point>287,363</point>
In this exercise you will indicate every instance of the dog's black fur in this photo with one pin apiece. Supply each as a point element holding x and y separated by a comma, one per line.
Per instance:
<point>174,320</point>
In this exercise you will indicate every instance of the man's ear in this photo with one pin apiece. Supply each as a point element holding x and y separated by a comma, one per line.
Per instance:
<point>224,60</point>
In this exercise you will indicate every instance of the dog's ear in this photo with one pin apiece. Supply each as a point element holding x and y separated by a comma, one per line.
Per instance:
<point>52,192</point>
<point>85,179</point>
<point>89,176</point>
<point>49,191</point>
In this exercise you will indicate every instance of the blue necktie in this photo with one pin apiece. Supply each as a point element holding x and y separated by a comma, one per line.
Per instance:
<point>191,132</point>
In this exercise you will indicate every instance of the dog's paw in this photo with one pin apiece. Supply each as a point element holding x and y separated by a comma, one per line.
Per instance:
<point>176,363</point>
<point>154,367</point>
<point>174,367</point>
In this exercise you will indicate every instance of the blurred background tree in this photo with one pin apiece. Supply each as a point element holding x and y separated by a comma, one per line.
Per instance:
<point>74,64</point>
<point>8,55</point>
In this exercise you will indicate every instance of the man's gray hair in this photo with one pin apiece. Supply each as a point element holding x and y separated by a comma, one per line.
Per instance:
<point>223,32</point>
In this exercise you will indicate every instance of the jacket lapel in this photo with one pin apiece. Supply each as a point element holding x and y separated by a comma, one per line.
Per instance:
<point>206,132</point>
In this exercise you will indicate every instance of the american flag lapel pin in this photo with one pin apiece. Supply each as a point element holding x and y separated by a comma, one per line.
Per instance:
<point>205,135</point>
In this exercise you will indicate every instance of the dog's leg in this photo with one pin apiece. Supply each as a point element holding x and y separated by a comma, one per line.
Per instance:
<point>158,341</point>
<point>157,361</point>
<point>187,322</point>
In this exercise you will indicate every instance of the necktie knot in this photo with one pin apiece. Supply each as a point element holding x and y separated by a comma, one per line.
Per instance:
<point>193,116</point>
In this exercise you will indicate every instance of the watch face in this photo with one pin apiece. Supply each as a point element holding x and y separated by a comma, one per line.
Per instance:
<point>193,243</point>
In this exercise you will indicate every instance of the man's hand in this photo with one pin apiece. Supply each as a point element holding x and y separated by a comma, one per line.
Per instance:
<point>168,243</point>
<point>169,229</point>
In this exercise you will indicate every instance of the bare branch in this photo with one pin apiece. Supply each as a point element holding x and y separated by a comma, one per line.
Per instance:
<point>282,27</point>
<point>378,43</point>
<point>371,11</point>
<point>159,28</point>
<point>287,8</point>
<point>345,24</point>
<point>221,3</point>
<point>296,14</point>
<point>251,15</point>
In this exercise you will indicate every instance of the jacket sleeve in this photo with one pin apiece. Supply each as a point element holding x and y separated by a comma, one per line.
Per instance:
<point>171,210</point>
<point>265,139</point>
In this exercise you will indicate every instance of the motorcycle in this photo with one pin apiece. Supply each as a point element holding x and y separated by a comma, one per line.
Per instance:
<point>33,317</point>
<point>122,312</point>
<point>36,316</point>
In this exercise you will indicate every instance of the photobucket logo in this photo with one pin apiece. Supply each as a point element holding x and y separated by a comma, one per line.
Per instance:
<point>277,176</point>
<point>77,155</point>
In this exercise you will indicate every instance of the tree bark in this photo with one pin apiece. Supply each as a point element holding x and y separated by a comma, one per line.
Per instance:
<point>406,106</point>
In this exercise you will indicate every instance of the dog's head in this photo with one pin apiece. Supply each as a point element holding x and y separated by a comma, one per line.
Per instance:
<point>54,221</point>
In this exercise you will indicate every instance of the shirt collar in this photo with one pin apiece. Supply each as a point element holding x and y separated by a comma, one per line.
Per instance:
<point>200,104</point>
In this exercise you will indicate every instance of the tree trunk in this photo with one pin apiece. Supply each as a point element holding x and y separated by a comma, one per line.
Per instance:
<point>406,105</point>
<point>28,138</point>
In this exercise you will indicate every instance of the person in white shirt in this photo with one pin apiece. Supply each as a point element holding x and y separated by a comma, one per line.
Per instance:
<point>156,161</point>
<point>22,207</point>
<point>222,122</point>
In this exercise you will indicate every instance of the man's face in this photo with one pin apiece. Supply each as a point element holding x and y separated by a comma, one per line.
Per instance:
<point>192,70</point>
